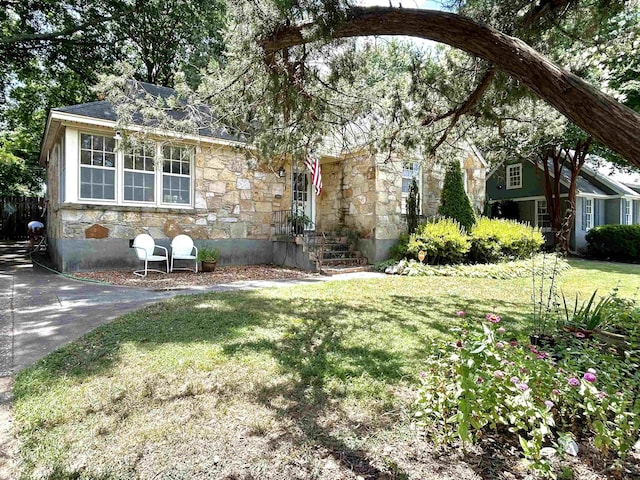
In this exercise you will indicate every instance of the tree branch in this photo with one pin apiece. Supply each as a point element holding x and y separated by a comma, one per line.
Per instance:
<point>467,105</point>
<point>612,123</point>
<point>49,36</point>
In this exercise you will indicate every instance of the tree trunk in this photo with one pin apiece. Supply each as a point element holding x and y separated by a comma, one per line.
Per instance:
<point>615,125</point>
<point>556,158</point>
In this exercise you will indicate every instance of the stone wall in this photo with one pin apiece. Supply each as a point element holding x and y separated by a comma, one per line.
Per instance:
<point>231,201</point>
<point>330,202</point>
<point>359,194</point>
<point>233,207</point>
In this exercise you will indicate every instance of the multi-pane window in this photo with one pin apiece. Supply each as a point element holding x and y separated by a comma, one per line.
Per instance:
<point>514,176</point>
<point>543,221</point>
<point>139,174</point>
<point>133,175</point>
<point>588,213</point>
<point>627,212</point>
<point>176,174</point>
<point>410,170</point>
<point>97,167</point>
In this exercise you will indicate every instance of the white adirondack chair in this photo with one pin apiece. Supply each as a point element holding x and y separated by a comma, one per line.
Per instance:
<point>182,248</point>
<point>145,248</point>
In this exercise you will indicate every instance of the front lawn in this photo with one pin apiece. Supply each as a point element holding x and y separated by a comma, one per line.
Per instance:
<point>308,382</point>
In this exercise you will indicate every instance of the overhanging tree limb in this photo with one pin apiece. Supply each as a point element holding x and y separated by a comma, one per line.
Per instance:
<point>612,123</point>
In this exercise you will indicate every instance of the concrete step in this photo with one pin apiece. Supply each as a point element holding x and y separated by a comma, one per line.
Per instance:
<point>344,269</point>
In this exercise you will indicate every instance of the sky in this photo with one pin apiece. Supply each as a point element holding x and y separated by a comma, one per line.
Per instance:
<point>424,4</point>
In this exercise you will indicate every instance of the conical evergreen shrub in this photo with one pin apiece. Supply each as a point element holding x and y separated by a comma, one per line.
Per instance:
<point>454,202</point>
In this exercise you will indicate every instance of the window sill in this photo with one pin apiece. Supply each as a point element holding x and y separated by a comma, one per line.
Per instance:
<point>127,208</point>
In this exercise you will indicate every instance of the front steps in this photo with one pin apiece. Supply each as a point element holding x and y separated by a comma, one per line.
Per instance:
<point>333,254</point>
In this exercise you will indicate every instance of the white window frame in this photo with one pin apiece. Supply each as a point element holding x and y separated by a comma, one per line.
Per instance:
<point>626,212</point>
<point>120,174</point>
<point>135,153</point>
<point>162,173</point>
<point>537,215</point>
<point>416,172</point>
<point>114,169</point>
<point>513,171</point>
<point>589,211</point>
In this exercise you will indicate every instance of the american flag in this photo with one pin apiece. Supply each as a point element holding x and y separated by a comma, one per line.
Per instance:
<point>313,164</point>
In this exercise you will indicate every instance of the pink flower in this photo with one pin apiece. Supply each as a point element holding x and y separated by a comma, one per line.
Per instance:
<point>423,374</point>
<point>523,387</point>
<point>574,382</point>
<point>461,313</point>
<point>513,343</point>
<point>555,391</point>
<point>480,380</point>
<point>580,335</point>
<point>493,318</point>
<point>500,345</point>
<point>542,355</point>
<point>602,395</point>
<point>515,380</point>
<point>549,404</point>
<point>589,377</point>
<point>459,344</point>
<point>501,330</point>
<point>523,370</point>
<point>498,374</point>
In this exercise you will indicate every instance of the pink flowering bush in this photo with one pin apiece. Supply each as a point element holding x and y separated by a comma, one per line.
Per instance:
<point>485,382</point>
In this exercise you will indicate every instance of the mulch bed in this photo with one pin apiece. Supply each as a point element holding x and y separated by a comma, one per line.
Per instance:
<point>184,279</point>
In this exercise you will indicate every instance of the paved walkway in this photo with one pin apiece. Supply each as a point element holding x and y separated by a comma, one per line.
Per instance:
<point>40,311</point>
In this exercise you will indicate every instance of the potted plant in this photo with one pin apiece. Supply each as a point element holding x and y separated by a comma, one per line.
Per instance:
<point>208,257</point>
<point>298,222</point>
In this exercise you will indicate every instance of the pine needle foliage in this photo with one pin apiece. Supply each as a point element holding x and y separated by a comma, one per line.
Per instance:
<point>454,202</point>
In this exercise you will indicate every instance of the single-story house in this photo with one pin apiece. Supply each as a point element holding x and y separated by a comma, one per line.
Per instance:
<point>102,194</point>
<point>605,194</point>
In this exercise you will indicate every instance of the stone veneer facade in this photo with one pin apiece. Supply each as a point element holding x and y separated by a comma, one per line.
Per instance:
<point>363,192</point>
<point>233,208</point>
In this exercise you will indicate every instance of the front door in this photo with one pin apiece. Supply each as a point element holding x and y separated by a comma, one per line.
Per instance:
<point>304,199</point>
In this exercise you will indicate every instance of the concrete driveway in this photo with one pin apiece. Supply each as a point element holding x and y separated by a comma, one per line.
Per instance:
<point>40,310</point>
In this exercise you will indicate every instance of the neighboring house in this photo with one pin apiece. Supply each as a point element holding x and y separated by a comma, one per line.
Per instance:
<point>102,195</point>
<point>605,194</point>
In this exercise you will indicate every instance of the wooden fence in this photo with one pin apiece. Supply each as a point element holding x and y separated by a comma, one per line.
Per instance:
<point>15,214</point>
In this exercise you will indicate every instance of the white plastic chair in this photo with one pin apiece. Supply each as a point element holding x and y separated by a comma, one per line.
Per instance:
<point>145,248</point>
<point>182,248</point>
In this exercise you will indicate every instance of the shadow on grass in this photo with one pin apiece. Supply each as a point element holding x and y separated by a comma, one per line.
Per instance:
<point>317,343</point>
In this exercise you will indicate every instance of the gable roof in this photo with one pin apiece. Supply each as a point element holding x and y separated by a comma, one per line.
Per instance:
<point>102,110</point>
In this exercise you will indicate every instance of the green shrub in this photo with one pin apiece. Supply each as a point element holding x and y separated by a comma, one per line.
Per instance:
<point>454,202</point>
<point>413,206</point>
<point>493,240</point>
<point>399,250</point>
<point>614,242</point>
<point>443,241</point>
<point>538,265</point>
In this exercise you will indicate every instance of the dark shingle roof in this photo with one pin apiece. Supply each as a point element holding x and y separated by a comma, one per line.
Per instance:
<point>102,110</point>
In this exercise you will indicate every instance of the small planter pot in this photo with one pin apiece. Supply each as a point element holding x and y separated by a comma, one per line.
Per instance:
<point>542,340</point>
<point>209,266</point>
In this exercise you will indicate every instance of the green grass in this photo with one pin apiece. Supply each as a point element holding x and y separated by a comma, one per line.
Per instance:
<point>269,383</point>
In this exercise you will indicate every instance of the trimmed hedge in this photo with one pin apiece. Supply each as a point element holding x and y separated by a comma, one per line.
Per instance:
<point>493,240</point>
<point>443,241</point>
<point>614,242</point>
